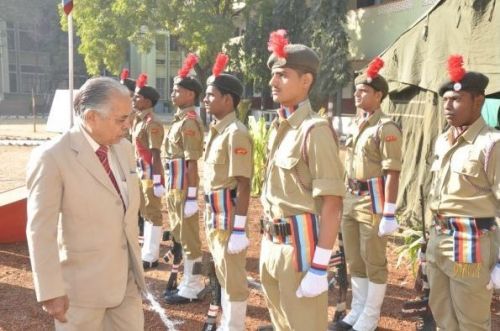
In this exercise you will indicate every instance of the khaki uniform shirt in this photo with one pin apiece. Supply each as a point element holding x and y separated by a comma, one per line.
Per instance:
<point>185,136</point>
<point>466,178</point>
<point>147,130</point>
<point>374,147</point>
<point>298,173</point>
<point>228,154</point>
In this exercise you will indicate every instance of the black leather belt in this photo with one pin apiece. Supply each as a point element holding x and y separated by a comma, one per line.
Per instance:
<point>357,185</point>
<point>482,223</point>
<point>275,229</point>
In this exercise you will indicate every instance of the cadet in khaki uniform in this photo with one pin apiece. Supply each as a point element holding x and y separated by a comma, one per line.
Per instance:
<point>301,197</point>
<point>373,162</point>
<point>183,148</point>
<point>226,181</point>
<point>147,137</point>
<point>462,253</point>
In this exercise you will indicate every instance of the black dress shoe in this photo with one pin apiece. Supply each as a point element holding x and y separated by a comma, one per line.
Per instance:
<point>171,292</point>
<point>176,299</point>
<point>149,265</point>
<point>265,328</point>
<point>342,326</point>
<point>209,327</point>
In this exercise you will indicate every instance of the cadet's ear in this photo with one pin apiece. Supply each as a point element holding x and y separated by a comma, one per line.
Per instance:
<point>307,80</point>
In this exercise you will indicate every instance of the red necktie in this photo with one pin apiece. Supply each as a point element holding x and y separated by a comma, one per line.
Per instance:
<point>102,154</point>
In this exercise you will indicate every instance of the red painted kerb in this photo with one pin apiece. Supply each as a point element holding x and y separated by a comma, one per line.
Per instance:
<point>13,215</point>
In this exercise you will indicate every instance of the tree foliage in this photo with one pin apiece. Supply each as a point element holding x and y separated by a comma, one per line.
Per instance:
<point>329,38</point>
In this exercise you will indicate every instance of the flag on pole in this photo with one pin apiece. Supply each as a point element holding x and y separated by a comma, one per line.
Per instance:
<point>67,6</point>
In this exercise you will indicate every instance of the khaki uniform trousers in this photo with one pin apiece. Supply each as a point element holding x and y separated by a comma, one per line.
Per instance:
<point>460,301</point>
<point>184,230</point>
<point>150,204</point>
<point>280,282</point>
<point>364,249</point>
<point>230,268</point>
<point>128,315</point>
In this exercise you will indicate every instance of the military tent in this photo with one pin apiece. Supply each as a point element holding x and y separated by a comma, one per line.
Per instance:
<point>415,66</point>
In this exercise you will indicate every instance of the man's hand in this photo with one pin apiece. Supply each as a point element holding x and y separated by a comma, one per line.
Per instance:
<point>57,308</point>
<point>314,282</point>
<point>191,205</point>
<point>388,224</point>
<point>158,188</point>
<point>238,241</point>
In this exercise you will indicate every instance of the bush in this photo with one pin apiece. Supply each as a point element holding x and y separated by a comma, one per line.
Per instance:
<point>260,135</point>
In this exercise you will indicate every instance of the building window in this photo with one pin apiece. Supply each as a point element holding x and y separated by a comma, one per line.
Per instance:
<point>26,41</point>
<point>13,82</point>
<point>174,44</point>
<point>11,39</point>
<point>160,87</point>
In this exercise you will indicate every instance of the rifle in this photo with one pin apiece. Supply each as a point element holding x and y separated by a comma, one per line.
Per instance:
<point>338,263</point>
<point>215,288</point>
<point>419,307</point>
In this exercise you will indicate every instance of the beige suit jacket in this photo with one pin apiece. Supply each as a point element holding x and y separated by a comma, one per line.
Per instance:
<point>81,241</point>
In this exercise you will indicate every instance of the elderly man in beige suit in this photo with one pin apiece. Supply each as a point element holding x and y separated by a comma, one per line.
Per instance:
<point>82,217</point>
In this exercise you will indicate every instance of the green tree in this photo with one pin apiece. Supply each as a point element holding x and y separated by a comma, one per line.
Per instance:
<point>326,30</point>
<point>107,27</point>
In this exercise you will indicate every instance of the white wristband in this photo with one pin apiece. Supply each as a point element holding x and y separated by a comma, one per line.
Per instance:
<point>389,208</point>
<point>156,179</point>
<point>239,221</point>
<point>322,256</point>
<point>192,192</point>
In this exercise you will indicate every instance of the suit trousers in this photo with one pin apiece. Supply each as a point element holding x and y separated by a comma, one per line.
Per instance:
<point>185,230</point>
<point>280,282</point>
<point>128,315</point>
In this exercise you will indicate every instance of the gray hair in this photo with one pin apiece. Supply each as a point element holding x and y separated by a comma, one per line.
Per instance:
<point>95,94</point>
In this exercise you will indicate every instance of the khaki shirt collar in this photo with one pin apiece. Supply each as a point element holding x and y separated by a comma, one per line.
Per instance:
<point>473,131</point>
<point>142,114</point>
<point>374,117</point>
<point>181,113</point>
<point>299,114</point>
<point>219,126</point>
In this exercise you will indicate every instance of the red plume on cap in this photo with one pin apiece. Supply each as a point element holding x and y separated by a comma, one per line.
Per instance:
<point>277,42</point>
<point>456,70</point>
<point>125,74</point>
<point>141,81</point>
<point>189,63</point>
<point>220,63</point>
<point>374,67</point>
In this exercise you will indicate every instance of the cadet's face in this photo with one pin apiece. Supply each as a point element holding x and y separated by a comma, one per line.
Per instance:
<point>181,96</point>
<point>287,86</point>
<point>140,103</point>
<point>109,129</point>
<point>461,108</point>
<point>216,103</point>
<point>366,98</point>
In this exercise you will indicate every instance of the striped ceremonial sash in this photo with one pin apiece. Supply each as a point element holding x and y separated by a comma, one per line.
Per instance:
<point>466,248</point>
<point>377,193</point>
<point>305,230</point>
<point>177,169</point>
<point>221,204</point>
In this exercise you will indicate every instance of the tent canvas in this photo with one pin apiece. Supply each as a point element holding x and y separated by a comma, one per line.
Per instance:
<point>415,67</point>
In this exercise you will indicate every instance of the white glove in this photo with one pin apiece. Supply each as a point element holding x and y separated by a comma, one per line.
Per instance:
<point>388,224</point>
<point>495,277</point>
<point>158,188</point>
<point>314,282</point>
<point>238,241</point>
<point>191,205</point>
